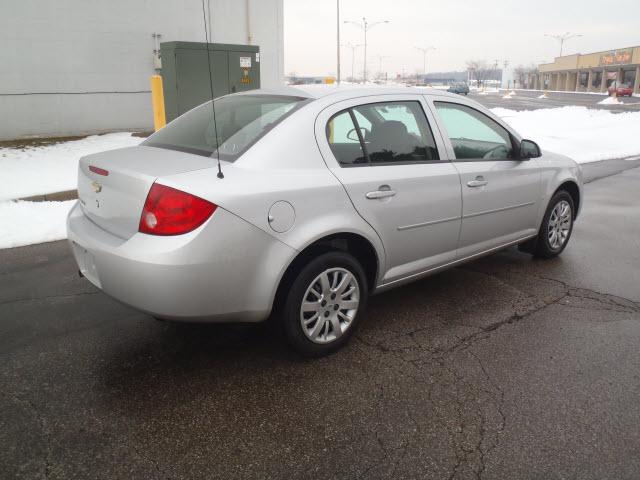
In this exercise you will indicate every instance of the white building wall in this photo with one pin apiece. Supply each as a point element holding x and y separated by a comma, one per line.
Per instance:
<point>71,67</point>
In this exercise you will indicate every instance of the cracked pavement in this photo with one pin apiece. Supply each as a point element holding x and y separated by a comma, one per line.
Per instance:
<point>504,368</point>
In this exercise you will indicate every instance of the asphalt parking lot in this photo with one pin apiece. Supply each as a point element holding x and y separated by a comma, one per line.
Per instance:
<point>505,368</point>
<point>528,100</point>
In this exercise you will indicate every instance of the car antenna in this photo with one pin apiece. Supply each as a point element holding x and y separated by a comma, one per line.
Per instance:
<point>213,107</point>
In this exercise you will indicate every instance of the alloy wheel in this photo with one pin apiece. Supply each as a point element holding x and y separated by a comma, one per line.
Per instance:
<point>329,305</point>
<point>559,225</point>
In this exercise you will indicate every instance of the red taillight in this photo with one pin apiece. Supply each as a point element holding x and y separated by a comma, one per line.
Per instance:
<point>99,171</point>
<point>168,211</point>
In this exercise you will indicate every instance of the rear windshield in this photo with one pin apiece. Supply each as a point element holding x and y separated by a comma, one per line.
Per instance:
<point>241,120</point>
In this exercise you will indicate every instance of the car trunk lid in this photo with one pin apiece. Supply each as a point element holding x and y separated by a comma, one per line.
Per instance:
<point>113,185</point>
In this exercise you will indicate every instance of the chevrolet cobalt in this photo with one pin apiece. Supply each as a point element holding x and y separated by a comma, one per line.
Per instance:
<point>299,204</point>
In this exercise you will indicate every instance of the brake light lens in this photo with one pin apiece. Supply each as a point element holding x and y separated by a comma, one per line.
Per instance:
<point>99,171</point>
<point>168,211</point>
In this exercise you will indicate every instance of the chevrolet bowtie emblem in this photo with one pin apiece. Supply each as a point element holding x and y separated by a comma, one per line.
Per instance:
<point>96,187</point>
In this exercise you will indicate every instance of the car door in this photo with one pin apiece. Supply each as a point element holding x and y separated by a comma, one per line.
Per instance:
<point>384,152</point>
<point>500,193</point>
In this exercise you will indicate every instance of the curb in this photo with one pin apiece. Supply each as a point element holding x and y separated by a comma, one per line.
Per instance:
<point>52,197</point>
<point>605,168</point>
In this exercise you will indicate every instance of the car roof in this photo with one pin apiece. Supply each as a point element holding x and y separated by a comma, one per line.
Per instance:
<point>345,92</point>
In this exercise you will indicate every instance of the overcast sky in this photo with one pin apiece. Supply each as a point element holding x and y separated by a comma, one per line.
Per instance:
<point>459,29</point>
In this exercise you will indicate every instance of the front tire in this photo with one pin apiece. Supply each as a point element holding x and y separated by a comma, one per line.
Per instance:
<point>556,227</point>
<point>324,304</point>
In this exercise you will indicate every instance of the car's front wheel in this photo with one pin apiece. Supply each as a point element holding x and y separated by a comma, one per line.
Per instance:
<point>556,227</point>
<point>324,304</point>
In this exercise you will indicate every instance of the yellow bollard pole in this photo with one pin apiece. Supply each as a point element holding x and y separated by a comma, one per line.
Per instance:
<point>157,100</point>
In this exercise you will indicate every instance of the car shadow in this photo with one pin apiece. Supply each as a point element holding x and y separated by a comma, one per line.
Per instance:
<point>159,355</point>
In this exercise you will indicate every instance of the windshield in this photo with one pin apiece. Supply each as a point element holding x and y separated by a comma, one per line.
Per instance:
<point>241,120</point>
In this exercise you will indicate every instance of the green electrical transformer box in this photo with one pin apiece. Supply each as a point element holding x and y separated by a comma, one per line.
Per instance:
<point>185,73</point>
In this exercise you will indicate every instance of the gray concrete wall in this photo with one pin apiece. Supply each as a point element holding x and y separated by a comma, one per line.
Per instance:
<point>73,67</point>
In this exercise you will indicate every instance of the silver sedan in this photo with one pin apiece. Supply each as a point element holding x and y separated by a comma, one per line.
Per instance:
<point>299,204</point>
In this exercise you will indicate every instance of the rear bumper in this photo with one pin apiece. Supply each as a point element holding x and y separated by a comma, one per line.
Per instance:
<point>226,270</point>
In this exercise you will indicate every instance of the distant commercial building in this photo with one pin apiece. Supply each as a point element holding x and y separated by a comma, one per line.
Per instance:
<point>593,72</point>
<point>77,67</point>
<point>305,80</point>
<point>442,78</point>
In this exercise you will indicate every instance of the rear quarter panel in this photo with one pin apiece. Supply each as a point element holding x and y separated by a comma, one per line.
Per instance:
<point>285,165</point>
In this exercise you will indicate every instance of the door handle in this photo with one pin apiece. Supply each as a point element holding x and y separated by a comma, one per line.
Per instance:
<point>478,182</point>
<point>384,191</point>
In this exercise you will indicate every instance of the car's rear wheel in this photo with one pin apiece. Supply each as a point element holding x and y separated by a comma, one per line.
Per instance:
<point>556,227</point>
<point>324,304</point>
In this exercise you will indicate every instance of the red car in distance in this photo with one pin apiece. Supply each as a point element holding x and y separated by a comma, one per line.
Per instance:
<point>622,90</point>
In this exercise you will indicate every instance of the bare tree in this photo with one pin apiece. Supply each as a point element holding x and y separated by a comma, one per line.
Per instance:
<point>523,75</point>
<point>480,71</point>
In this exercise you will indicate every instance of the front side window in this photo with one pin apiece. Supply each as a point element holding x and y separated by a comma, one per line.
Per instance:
<point>382,133</point>
<point>240,121</point>
<point>473,134</point>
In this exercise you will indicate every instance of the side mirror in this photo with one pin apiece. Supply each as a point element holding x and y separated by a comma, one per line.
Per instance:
<point>529,149</point>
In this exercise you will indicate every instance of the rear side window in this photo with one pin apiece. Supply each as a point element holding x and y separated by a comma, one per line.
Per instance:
<point>343,139</point>
<point>382,133</point>
<point>240,121</point>
<point>473,135</point>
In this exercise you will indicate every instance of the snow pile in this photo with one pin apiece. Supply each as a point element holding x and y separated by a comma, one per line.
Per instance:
<point>25,223</point>
<point>578,132</point>
<point>610,101</point>
<point>51,168</point>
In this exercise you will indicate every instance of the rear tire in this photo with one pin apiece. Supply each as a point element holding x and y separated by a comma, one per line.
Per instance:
<point>556,227</point>
<point>324,305</point>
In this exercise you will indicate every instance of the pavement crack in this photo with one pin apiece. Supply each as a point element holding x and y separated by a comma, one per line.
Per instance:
<point>484,332</point>
<point>607,300</point>
<point>499,403</point>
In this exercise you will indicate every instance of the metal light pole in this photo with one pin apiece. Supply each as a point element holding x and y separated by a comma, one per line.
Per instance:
<point>365,27</point>
<point>424,51</point>
<point>563,38</point>
<point>353,56</point>
<point>338,40</point>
